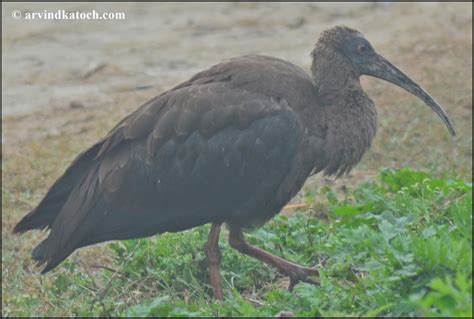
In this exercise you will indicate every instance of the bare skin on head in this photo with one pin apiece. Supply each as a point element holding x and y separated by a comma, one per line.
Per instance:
<point>231,145</point>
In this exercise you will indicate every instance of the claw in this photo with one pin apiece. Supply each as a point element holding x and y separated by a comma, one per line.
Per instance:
<point>295,272</point>
<point>303,275</point>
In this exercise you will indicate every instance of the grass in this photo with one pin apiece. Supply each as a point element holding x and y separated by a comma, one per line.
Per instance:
<point>397,246</point>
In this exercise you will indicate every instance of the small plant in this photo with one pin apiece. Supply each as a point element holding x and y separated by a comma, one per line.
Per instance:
<point>397,246</point>
<point>382,245</point>
<point>447,297</point>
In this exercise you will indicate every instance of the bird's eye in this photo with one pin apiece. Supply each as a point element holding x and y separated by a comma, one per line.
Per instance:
<point>362,48</point>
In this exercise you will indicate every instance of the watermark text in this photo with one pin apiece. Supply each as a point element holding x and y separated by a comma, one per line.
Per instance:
<point>67,15</point>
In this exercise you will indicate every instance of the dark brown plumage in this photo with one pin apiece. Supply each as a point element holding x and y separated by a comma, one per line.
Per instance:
<point>232,145</point>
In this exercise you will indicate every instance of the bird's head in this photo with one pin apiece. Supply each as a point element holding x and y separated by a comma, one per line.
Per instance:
<point>354,53</point>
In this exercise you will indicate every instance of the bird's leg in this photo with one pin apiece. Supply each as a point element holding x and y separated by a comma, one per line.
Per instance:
<point>295,272</point>
<point>213,255</point>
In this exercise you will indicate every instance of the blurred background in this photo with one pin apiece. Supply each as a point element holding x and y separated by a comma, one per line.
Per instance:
<point>63,69</point>
<point>66,83</point>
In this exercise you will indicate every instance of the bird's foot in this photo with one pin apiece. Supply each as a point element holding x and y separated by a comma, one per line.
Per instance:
<point>300,273</point>
<point>296,272</point>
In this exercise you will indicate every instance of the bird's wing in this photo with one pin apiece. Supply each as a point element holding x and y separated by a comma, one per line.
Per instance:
<point>196,154</point>
<point>216,93</point>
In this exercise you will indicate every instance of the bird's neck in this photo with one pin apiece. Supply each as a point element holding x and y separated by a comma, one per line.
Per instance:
<point>351,125</point>
<point>332,75</point>
<point>350,116</point>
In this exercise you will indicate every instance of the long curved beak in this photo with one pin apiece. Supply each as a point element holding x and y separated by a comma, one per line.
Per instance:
<point>383,69</point>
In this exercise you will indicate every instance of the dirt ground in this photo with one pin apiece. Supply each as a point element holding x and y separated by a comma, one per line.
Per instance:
<point>66,83</point>
<point>47,64</point>
<point>58,75</point>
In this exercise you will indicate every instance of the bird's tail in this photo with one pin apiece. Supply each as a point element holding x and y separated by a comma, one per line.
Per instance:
<point>41,255</point>
<point>48,209</point>
<point>74,224</point>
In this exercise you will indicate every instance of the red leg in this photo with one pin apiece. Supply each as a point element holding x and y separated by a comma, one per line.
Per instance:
<point>213,255</point>
<point>295,272</point>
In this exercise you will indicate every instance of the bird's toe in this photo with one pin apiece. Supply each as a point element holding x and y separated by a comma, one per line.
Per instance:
<point>303,274</point>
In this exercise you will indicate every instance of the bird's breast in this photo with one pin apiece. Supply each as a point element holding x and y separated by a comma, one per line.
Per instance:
<point>350,130</point>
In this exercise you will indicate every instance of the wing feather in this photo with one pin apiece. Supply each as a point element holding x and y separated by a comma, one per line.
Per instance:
<point>216,147</point>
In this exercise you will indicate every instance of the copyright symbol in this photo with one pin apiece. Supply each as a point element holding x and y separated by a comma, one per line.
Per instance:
<point>16,14</point>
